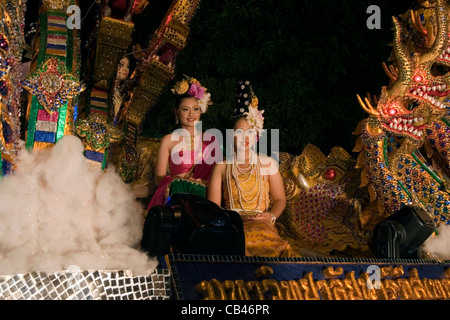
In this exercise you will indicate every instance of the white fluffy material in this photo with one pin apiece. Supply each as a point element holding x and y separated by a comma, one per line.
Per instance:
<point>437,247</point>
<point>57,211</point>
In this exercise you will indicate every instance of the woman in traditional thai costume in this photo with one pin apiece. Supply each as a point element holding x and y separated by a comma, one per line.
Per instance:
<point>121,99</point>
<point>184,161</point>
<point>251,184</point>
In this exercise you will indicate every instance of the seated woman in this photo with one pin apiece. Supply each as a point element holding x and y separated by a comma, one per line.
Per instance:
<point>181,154</point>
<point>250,182</point>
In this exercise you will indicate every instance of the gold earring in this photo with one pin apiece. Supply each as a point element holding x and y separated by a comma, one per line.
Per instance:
<point>176,120</point>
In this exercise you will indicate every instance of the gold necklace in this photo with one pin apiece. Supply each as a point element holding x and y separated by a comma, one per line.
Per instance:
<point>233,173</point>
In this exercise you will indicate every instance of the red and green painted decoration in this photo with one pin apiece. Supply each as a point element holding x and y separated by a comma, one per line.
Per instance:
<point>53,84</point>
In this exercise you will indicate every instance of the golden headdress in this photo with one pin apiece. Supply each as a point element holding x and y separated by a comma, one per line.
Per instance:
<point>193,87</point>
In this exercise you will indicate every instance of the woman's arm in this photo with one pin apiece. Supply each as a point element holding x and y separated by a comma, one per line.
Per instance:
<point>277,194</point>
<point>276,190</point>
<point>278,200</point>
<point>215,184</point>
<point>162,159</point>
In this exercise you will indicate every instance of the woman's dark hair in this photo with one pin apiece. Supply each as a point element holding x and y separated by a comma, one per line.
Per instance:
<point>132,61</point>
<point>124,89</point>
<point>180,98</point>
<point>234,120</point>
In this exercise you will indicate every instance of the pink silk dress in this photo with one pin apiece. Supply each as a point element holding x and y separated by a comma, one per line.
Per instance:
<point>183,164</point>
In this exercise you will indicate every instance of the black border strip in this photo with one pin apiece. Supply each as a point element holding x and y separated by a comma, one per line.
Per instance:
<point>236,259</point>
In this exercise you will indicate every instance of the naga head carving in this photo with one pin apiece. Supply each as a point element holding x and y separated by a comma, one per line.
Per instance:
<point>323,200</point>
<point>416,94</point>
<point>312,169</point>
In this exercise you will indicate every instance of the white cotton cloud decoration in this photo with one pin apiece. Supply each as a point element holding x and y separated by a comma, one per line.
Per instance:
<point>58,211</point>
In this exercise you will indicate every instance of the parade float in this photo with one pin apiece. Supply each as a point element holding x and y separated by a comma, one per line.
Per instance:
<point>366,228</point>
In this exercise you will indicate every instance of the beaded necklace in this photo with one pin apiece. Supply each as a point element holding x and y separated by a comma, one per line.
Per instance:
<point>238,175</point>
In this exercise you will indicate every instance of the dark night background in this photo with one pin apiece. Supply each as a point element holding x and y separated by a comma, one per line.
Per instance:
<point>307,61</point>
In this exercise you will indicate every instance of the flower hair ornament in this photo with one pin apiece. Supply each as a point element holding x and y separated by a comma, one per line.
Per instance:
<point>247,105</point>
<point>192,87</point>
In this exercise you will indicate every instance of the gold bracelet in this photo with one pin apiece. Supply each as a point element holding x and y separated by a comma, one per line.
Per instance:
<point>274,219</point>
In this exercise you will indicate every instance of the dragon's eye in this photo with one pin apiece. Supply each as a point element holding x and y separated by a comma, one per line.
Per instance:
<point>418,78</point>
<point>392,111</point>
<point>329,174</point>
<point>332,174</point>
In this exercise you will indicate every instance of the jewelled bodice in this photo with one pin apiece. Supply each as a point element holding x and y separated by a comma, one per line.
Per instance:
<point>249,192</point>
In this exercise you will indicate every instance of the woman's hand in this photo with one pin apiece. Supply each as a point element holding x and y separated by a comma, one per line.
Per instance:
<point>204,182</point>
<point>263,216</point>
